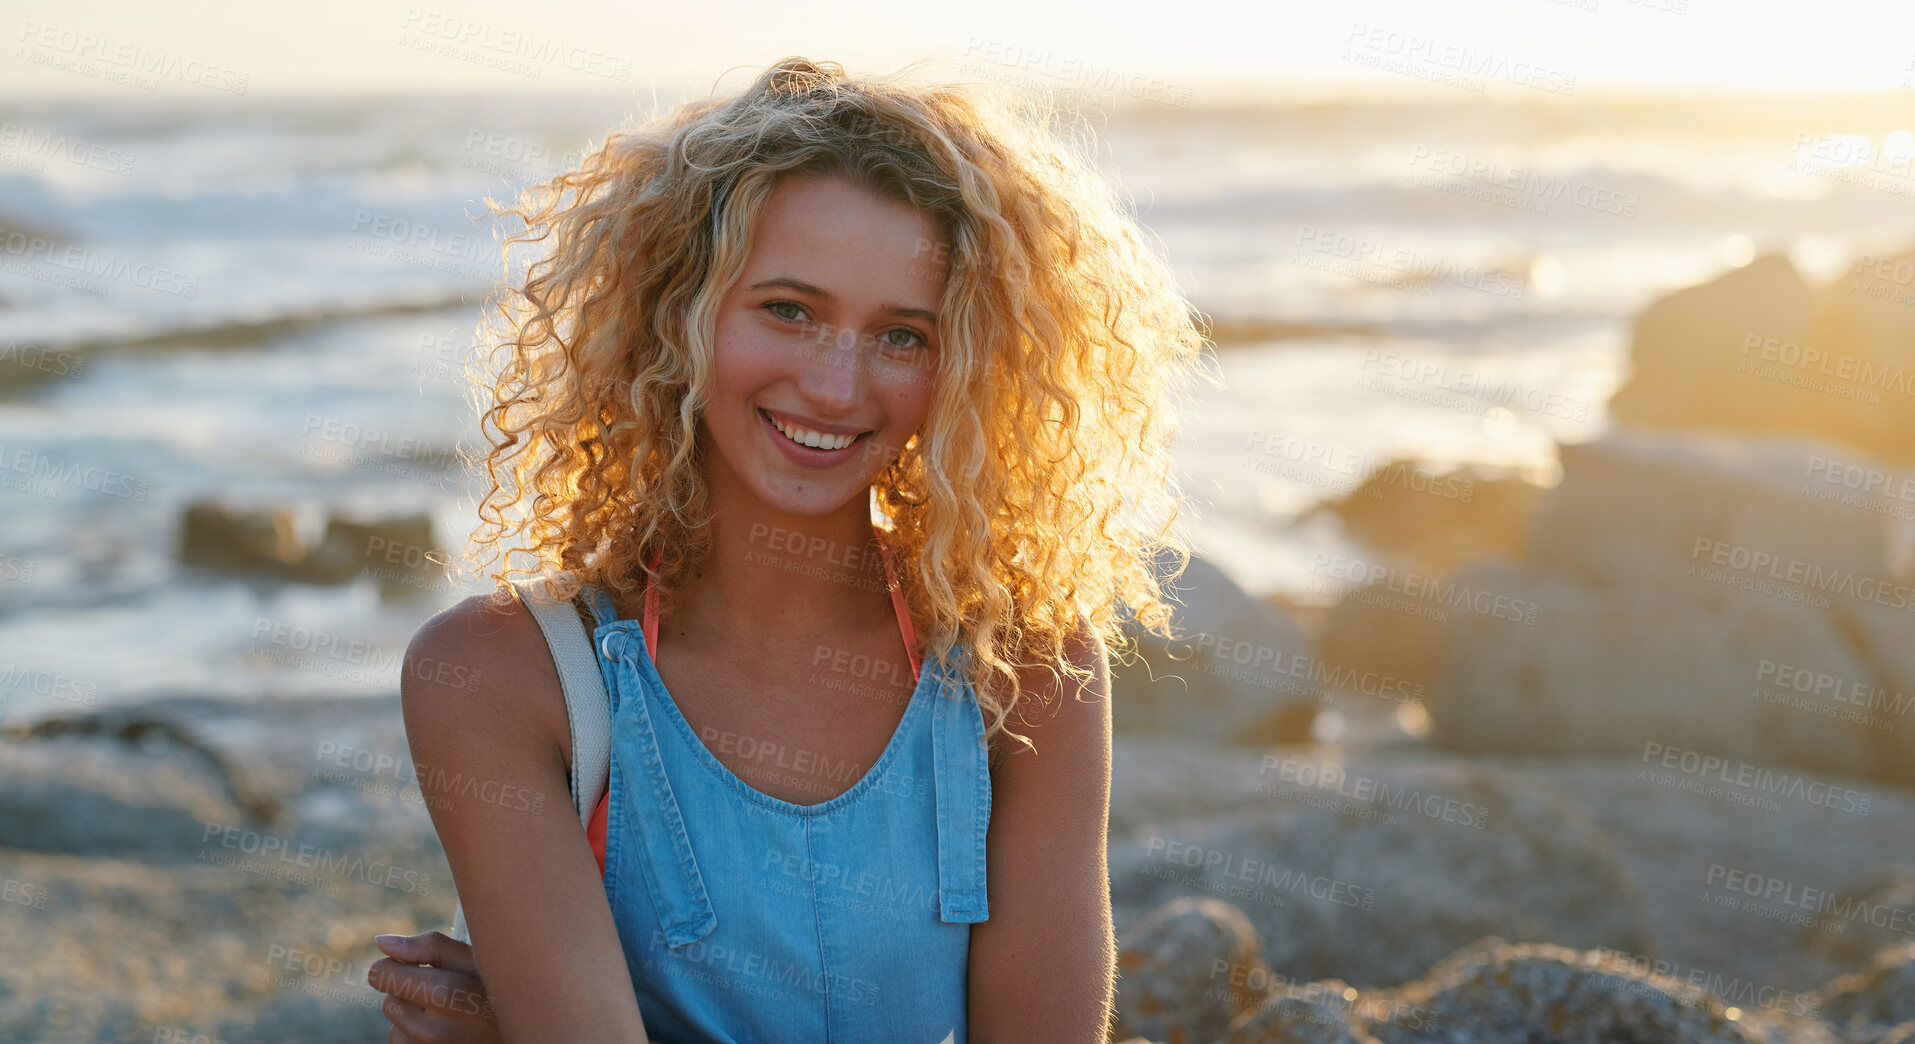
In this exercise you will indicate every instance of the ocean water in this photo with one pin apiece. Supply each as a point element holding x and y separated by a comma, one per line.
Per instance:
<point>246,287</point>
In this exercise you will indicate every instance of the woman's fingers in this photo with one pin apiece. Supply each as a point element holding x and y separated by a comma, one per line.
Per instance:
<point>433,991</point>
<point>441,989</point>
<point>435,948</point>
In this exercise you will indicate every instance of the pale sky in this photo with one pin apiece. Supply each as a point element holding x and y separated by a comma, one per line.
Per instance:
<point>1196,46</point>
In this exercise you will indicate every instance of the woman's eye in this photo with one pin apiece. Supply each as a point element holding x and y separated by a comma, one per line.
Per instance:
<point>913,340</point>
<point>776,306</point>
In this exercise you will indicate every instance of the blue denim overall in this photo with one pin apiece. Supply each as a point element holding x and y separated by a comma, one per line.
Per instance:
<point>746,918</point>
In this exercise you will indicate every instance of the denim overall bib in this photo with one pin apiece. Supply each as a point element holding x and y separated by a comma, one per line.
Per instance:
<point>746,918</point>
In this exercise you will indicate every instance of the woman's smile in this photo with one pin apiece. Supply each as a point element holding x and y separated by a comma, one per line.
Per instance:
<point>812,446</point>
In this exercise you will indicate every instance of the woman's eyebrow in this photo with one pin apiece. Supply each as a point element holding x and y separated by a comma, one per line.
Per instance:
<point>803,287</point>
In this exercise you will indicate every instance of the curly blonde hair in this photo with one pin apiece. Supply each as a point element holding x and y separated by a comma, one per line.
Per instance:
<point>1036,502</point>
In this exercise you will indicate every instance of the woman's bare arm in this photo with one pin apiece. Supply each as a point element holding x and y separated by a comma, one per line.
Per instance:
<point>1043,967</point>
<point>485,716</point>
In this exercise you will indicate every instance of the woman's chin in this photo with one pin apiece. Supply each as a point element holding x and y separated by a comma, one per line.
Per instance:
<point>810,499</point>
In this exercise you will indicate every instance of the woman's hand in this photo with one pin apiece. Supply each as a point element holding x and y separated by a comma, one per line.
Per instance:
<point>442,1004</point>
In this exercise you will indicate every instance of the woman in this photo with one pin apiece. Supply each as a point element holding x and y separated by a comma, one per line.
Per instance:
<point>757,323</point>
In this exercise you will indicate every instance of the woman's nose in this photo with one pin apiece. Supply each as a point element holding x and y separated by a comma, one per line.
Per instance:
<point>834,373</point>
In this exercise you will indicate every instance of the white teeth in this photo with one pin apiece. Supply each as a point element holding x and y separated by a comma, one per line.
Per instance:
<point>814,439</point>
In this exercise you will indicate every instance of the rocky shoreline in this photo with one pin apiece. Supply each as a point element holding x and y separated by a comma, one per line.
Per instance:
<point>208,868</point>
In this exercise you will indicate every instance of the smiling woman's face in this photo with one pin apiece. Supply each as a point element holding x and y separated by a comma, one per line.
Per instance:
<point>826,347</point>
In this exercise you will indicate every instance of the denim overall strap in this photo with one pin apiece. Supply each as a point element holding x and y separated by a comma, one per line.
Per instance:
<point>962,769</point>
<point>684,907</point>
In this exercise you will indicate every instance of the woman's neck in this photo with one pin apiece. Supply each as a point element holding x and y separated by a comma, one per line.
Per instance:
<point>786,576</point>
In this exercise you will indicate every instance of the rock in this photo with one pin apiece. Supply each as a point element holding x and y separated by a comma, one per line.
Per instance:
<point>1385,634</point>
<point>1647,506</point>
<point>1681,843</point>
<point>222,537</point>
<point>1748,352</point>
<point>1368,869</point>
<point>392,550</point>
<point>1517,994</point>
<point>1436,520</point>
<point>154,725</point>
<point>1310,1013</point>
<point>1876,999</point>
<point>84,797</point>
<point>398,551</point>
<point>1230,677</point>
<point>1875,904</point>
<point>23,366</point>
<point>1880,699</point>
<point>1181,973</point>
<point>1390,647</point>
<point>1864,326</point>
<point>1734,571</point>
<point>141,901</point>
<point>1701,674</point>
<point>1496,992</point>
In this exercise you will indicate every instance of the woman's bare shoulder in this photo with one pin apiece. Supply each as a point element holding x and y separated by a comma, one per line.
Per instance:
<point>484,665</point>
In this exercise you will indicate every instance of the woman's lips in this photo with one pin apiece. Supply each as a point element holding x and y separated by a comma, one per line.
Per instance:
<point>808,455</point>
